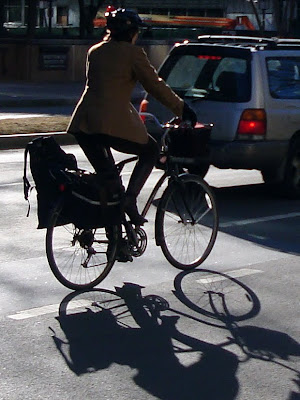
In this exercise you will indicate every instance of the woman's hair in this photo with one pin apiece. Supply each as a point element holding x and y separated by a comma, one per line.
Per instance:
<point>121,36</point>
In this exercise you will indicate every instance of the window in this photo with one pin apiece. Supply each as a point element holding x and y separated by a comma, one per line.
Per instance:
<point>185,72</point>
<point>284,77</point>
<point>210,76</point>
<point>62,16</point>
<point>13,11</point>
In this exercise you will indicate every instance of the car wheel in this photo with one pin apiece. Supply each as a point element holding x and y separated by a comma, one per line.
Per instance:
<point>291,182</point>
<point>270,176</point>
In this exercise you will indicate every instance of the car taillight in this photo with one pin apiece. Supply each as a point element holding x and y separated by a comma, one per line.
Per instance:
<point>143,109</point>
<point>253,124</point>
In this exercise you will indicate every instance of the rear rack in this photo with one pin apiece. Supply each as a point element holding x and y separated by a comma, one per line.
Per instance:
<point>256,41</point>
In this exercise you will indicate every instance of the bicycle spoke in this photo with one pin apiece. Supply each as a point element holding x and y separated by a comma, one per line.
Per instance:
<point>80,258</point>
<point>187,222</point>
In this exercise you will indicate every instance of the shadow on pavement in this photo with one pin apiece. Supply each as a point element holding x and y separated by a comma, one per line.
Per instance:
<point>227,300</point>
<point>103,327</point>
<point>218,297</point>
<point>123,327</point>
<point>258,214</point>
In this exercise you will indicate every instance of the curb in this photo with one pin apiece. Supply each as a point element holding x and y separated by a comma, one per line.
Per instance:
<point>20,141</point>
<point>37,102</point>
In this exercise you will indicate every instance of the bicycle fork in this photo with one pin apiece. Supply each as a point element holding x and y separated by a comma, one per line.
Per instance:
<point>179,209</point>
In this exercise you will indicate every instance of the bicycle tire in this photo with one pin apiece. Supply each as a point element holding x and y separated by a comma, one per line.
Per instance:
<point>78,258</point>
<point>187,221</point>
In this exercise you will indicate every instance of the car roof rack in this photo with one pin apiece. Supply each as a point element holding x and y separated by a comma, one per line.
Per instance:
<point>233,38</point>
<point>265,42</point>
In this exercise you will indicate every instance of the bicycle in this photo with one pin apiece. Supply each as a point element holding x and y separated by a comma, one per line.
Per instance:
<point>186,226</point>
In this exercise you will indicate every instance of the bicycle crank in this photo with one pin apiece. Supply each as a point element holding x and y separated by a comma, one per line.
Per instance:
<point>139,245</point>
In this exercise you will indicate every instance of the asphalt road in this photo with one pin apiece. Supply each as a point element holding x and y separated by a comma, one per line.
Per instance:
<point>54,349</point>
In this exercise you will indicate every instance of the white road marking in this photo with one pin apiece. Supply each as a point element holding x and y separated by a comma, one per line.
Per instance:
<point>35,312</point>
<point>258,220</point>
<point>20,115</point>
<point>53,308</point>
<point>11,184</point>
<point>233,274</point>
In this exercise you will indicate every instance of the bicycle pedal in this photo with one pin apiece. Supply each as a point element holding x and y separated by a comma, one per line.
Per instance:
<point>122,257</point>
<point>91,250</point>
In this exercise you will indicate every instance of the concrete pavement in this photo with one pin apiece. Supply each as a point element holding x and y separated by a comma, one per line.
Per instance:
<point>19,94</point>
<point>30,94</point>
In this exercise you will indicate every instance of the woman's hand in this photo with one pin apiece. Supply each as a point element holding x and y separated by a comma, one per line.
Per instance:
<point>189,114</point>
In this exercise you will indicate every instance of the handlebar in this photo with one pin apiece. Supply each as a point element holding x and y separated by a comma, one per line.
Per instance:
<point>165,130</point>
<point>173,123</point>
<point>178,123</point>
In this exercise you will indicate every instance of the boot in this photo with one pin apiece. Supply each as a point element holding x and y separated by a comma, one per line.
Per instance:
<point>130,208</point>
<point>137,180</point>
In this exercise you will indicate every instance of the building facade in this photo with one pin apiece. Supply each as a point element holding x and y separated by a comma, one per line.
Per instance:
<point>65,13</point>
<point>48,59</point>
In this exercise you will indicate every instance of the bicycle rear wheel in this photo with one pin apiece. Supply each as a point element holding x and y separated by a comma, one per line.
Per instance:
<point>187,221</point>
<point>80,258</point>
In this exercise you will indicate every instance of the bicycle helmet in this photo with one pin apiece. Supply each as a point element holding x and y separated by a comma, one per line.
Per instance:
<point>122,20</point>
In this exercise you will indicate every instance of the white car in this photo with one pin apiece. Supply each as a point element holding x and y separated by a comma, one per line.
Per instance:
<point>249,88</point>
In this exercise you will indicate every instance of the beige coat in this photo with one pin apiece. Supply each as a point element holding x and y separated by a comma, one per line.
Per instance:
<point>113,68</point>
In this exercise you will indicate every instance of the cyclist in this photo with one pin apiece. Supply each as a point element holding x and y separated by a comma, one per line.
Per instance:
<point>104,118</point>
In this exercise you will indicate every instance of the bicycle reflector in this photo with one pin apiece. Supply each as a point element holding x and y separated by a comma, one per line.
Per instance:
<point>143,109</point>
<point>252,124</point>
<point>62,187</point>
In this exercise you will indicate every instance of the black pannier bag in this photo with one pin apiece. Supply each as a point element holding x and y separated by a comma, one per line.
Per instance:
<point>87,202</point>
<point>189,142</point>
<point>46,157</point>
<point>91,201</point>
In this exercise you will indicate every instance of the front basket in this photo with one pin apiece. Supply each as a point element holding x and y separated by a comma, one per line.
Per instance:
<point>189,142</point>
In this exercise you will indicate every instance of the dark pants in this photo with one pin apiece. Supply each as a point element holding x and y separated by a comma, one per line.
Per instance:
<point>97,148</point>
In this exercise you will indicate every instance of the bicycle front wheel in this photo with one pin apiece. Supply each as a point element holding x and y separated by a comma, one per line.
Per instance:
<point>80,258</point>
<point>187,221</point>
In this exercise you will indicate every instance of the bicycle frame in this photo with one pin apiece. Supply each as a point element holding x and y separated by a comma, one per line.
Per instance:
<point>154,192</point>
<point>171,170</point>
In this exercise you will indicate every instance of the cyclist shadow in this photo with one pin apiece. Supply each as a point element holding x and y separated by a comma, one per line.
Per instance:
<point>125,328</point>
<point>226,305</point>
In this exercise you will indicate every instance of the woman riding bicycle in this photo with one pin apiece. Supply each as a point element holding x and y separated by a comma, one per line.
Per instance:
<point>104,118</point>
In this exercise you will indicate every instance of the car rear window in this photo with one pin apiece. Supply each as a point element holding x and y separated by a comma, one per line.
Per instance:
<point>209,76</point>
<point>284,77</point>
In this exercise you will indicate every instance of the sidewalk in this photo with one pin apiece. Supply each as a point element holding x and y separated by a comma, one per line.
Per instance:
<point>30,94</point>
<point>15,95</point>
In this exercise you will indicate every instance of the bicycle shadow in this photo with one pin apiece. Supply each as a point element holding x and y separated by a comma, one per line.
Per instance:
<point>102,328</point>
<point>294,395</point>
<point>255,342</point>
